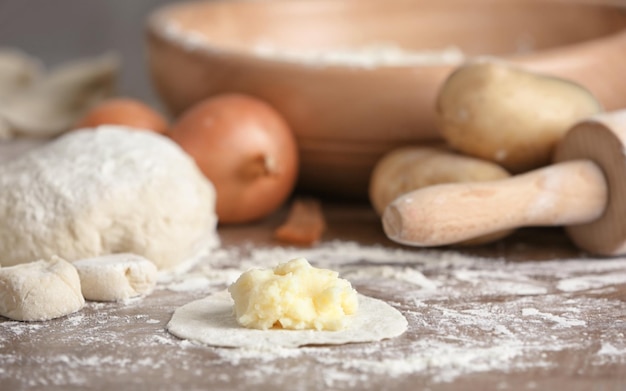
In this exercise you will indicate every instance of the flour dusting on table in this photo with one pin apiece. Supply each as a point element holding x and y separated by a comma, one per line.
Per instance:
<point>466,315</point>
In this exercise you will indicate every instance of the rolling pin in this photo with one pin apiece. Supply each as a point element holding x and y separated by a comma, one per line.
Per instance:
<point>584,190</point>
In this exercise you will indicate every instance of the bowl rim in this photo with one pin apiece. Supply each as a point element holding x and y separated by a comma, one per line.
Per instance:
<point>157,26</point>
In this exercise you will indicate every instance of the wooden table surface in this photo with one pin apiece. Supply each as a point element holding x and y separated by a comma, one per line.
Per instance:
<point>529,312</point>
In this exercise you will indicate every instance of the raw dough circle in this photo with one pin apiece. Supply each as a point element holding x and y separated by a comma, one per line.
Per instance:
<point>211,321</point>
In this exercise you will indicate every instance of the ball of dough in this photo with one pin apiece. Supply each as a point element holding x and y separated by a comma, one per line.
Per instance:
<point>104,191</point>
<point>40,290</point>
<point>116,277</point>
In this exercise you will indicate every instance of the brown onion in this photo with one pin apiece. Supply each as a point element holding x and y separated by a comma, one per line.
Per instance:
<point>124,111</point>
<point>246,149</point>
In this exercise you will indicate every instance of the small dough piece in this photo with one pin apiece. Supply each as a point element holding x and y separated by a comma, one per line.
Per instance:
<point>211,321</point>
<point>116,277</point>
<point>294,295</point>
<point>40,290</point>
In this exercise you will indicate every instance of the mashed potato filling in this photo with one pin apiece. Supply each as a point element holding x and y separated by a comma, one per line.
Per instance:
<point>294,295</point>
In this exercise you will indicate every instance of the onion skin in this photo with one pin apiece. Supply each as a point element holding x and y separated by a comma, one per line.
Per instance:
<point>124,111</point>
<point>246,149</point>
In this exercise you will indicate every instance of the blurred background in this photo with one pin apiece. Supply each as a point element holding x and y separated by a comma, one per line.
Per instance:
<point>62,30</point>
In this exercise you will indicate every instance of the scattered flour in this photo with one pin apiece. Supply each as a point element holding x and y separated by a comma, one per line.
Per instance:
<point>590,282</point>
<point>611,353</point>
<point>436,277</point>
<point>559,321</point>
<point>609,350</point>
<point>405,274</point>
<point>190,283</point>
<point>467,315</point>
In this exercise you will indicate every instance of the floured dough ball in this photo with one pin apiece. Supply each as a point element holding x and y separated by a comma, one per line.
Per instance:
<point>294,295</point>
<point>40,290</point>
<point>104,191</point>
<point>116,277</point>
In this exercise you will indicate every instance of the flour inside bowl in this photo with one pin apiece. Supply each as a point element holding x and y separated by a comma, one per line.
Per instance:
<point>376,54</point>
<point>368,56</point>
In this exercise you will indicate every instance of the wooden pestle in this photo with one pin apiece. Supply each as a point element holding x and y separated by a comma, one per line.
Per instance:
<point>585,190</point>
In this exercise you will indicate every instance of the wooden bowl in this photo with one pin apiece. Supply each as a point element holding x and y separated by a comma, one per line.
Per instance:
<point>347,101</point>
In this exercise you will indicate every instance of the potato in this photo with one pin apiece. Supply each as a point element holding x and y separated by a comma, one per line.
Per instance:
<point>510,116</point>
<point>411,168</point>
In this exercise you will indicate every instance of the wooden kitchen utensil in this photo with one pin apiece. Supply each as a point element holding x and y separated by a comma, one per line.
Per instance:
<point>585,190</point>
